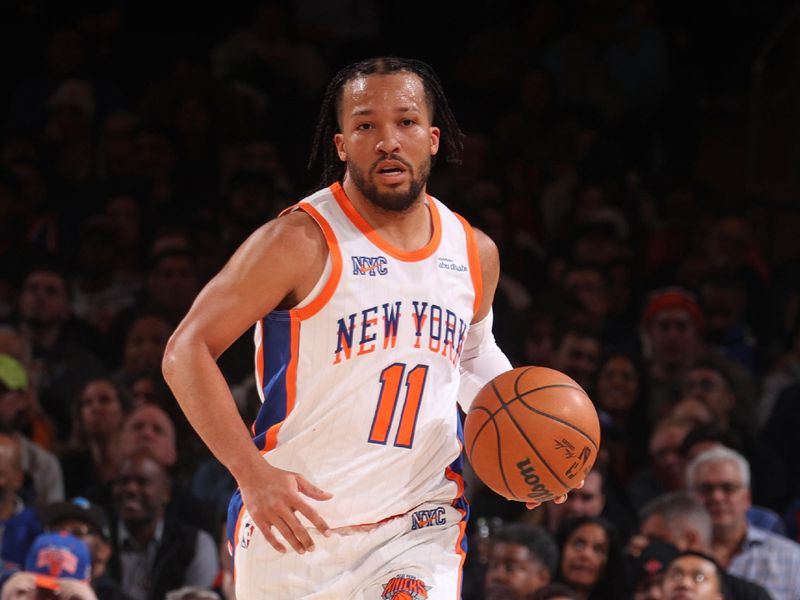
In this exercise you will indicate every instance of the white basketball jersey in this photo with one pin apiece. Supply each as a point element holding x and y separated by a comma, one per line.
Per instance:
<point>359,386</point>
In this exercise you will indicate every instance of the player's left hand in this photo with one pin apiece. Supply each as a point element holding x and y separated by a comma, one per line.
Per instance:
<point>557,500</point>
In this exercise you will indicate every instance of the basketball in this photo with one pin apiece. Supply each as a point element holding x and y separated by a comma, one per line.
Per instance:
<point>532,434</point>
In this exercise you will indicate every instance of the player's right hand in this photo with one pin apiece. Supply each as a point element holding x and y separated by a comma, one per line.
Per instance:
<point>273,496</point>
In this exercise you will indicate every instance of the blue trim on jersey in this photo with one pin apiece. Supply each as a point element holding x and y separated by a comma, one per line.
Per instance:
<point>457,466</point>
<point>276,342</point>
<point>234,508</point>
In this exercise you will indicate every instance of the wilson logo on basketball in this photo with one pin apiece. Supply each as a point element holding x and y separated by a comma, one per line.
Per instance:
<point>405,587</point>
<point>537,490</point>
<point>580,464</point>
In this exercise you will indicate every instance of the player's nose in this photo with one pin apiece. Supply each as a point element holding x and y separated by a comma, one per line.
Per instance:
<point>388,143</point>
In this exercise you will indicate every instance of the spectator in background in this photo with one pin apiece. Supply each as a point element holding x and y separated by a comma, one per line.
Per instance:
<point>124,214</point>
<point>89,523</point>
<point>153,551</point>
<point>720,477</point>
<point>534,340</point>
<point>577,354</point>
<point>44,481</point>
<point>69,133</point>
<point>19,525</point>
<point>93,451</point>
<point>591,560</point>
<point>620,400</point>
<point>40,426</point>
<point>702,438</point>
<point>145,340</point>
<point>672,328</point>
<point>115,148</point>
<point>596,497</point>
<point>522,559</point>
<point>783,375</point>
<point>588,284</point>
<point>149,428</point>
<point>681,520</point>
<point>251,201</point>
<point>665,469</point>
<point>97,297</point>
<point>63,347</point>
<point>723,293</point>
<point>694,575</point>
<point>57,566</point>
<point>647,570</point>
<point>154,164</point>
<point>266,60</point>
<point>172,283</point>
<point>710,383</point>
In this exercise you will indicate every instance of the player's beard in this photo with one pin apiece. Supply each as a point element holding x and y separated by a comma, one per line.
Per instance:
<point>396,201</point>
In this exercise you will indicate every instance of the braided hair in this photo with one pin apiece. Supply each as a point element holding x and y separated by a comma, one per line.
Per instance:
<point>452,139</point>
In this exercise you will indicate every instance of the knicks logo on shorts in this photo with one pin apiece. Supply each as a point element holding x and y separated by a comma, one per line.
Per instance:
<point>404,587</point>
<point>428,518</point>
<point>248,534</point>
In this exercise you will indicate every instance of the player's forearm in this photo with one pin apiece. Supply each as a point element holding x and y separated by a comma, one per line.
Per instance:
<point>204,396</point>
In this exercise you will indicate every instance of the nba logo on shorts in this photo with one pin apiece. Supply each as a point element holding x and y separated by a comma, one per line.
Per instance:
<point>404,587</point>
<point>248,534</point>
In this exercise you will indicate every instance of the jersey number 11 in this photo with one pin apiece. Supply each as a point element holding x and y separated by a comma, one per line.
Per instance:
<point>391,379</point>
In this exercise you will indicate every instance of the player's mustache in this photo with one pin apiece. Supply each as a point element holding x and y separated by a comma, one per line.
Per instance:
<point>393,158</point>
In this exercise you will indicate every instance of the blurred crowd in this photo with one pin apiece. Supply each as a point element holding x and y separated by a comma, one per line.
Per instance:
<point>131,167</point>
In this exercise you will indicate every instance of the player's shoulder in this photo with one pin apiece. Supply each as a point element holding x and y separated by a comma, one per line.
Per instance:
<point>295,232</point>
<point>487,249</point>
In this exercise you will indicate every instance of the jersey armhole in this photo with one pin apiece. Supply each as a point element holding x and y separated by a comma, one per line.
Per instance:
<point>325,286</point>
<point>473,255</point>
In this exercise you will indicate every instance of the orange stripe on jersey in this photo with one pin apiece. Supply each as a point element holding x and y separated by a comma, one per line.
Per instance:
<point>367,229</point>
<point>271,438</point>
<point>474,264</point>
<point>319,302</point>
<point>462,526</point>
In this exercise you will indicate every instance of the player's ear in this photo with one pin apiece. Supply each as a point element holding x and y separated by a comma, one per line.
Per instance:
<point>435,136</point>
<point>338,140</point>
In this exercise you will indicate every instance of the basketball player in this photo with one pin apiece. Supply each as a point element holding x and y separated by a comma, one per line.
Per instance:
<point>372,303</point>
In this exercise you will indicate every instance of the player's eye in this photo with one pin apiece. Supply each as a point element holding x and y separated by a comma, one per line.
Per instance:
<point>363,126</point>
<point>407,122</point>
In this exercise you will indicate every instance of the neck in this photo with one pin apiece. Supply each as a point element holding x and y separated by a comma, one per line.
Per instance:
<point>105,456</point>
<point>143,533</point>
<point>728,542</point>
<point>41,335</point>
<point>408,230</point>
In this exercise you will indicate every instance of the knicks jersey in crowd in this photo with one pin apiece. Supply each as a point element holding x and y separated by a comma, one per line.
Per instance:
<point>359,382</point>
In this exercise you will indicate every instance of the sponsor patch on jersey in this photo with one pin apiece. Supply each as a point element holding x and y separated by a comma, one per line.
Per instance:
<point>405,587</point>
<point>428,518</point>
<point>249,528</point>
<point>450,265</point>
<point>370,265</point>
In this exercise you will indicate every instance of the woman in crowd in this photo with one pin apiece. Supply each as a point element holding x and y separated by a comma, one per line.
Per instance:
<point>592,562</point>
<point>92,454</point>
